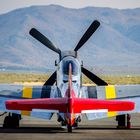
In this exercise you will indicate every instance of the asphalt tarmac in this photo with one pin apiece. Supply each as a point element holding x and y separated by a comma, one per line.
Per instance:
<point>104,129</point>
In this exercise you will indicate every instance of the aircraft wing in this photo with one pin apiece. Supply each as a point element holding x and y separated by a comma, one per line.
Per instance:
<point>12,91</point>
<point>117,92</point>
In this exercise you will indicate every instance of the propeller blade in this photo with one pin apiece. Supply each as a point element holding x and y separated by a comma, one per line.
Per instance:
<point>92,28</point>
<point>93,77</point>
<point>51,80</point>
<point>44,40</point>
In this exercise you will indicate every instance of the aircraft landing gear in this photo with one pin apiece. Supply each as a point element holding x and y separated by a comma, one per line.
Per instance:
<point>128,121</point>
<point>69,128</point>
<point>12,121</point>
<point>121,121</point>
<point>124,121</point>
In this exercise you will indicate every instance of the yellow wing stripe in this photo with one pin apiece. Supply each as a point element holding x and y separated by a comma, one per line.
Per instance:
<point>111,94</point>
<point>27,93</point>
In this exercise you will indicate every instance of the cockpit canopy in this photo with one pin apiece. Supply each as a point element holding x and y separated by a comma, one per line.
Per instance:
<point>74,66</point>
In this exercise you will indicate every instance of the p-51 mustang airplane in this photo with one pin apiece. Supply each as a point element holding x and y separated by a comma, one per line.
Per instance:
<point>64,94</point>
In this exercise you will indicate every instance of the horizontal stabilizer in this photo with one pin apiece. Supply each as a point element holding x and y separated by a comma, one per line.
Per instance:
<point>44,103</point>
<point>96,104</point>
<point>61,104</point>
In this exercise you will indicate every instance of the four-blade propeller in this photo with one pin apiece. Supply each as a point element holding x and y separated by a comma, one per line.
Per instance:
<point>44,40</point>
<point>92,28</point>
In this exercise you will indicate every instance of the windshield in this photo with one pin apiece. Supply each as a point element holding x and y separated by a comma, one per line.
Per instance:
<point>74,66</point>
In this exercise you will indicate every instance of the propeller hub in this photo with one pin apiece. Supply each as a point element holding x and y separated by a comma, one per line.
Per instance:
<point>68,53</point>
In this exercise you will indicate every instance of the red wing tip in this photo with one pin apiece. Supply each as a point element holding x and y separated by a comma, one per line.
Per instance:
<point>11,105</point>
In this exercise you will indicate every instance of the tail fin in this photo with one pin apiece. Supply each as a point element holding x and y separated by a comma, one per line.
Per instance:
<point>70,81</point>
<point>70,93</point>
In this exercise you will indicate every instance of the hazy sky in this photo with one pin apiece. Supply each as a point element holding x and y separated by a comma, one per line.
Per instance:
<point>8,5</point>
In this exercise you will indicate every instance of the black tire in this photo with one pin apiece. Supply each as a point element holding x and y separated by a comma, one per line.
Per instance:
<point>16,118</point>
<point>121,121</point>
<point>11,121</point>
<point>6,122</point>
<point>69,129</point>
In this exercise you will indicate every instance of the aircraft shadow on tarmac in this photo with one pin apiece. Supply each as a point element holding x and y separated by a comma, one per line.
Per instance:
<point>52,129</point>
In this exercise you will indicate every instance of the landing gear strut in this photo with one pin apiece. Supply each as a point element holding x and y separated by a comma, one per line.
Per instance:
<point>124,121</point>
<point>128,121</point>
<point>12,121</point>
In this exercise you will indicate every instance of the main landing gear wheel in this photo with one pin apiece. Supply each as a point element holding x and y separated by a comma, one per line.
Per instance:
<point>69,127</point>
<point>12,121</point>
<point>121,121</point>
<point>124,121</point>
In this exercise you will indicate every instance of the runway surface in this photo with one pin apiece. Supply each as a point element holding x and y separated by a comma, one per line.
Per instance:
<point>35,129</point>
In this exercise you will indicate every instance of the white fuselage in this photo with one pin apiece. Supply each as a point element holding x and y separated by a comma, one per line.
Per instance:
<point>63,78</point>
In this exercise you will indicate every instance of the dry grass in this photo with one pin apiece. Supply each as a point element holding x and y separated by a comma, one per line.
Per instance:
<point>22,78</point>
<point>112,80</point>
<point>122,79</point>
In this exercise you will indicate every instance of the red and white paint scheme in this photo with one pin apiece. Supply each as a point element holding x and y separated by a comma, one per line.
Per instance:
<point>70,101</point>
<point>70,106</point>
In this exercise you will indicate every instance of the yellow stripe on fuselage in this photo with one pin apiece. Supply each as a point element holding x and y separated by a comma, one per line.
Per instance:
<point>110,94</point>
<point>27,93</point>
